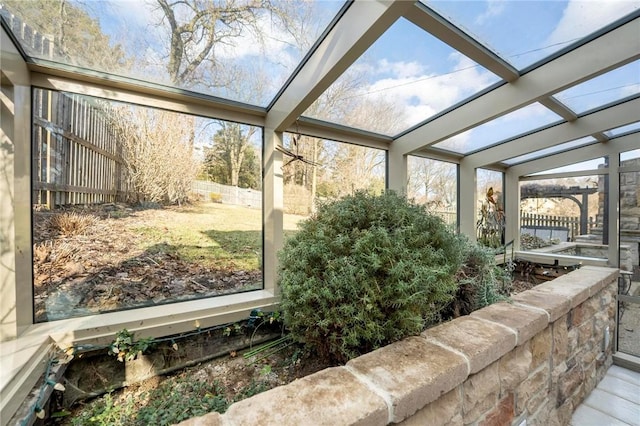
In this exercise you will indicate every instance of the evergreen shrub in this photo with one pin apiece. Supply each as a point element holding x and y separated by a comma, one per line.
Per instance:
<point>365,271</point>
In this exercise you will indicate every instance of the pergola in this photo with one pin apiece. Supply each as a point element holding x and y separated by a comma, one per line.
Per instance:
<point>579,135</point>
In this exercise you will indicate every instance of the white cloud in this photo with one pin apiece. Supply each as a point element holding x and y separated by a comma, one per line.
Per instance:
<point>494,9</point>
<point>582,17</point>
<point>401,69</point>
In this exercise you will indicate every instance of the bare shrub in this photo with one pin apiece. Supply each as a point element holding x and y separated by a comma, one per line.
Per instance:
<point>71,223</point>
<point>157,150</point>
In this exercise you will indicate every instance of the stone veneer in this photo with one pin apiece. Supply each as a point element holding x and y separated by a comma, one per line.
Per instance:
<point>535,359</point>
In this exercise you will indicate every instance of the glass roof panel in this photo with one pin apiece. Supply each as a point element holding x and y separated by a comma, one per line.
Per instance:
<point>502,128</point>
<point>524,32</point>
<point>622,130</point>
<point>551,150</point>
<point>244,53</point>
<point>404,78</point>
<point>604,89</point>
<point>576,167</point>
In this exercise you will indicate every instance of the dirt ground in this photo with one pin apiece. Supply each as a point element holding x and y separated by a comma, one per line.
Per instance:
<point>111,257</point>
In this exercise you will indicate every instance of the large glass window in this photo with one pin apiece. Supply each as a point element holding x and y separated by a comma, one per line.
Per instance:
<point>240,50</point>
<point>629,235</point>
<point>490,222</point>
<point>319,169</point>
<point>434,184</point>
<point>564,215</point>
<point>135,206</point>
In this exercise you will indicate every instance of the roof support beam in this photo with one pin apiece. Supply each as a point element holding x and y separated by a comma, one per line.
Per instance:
<point>585,153</point>
<point>592,124</point>
<point>359,27</point>
<point>559,108</point>
<point>613,49</point>
<point>439,27</point>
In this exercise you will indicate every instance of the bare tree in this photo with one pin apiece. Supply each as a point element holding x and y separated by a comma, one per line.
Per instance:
<point>157,152</point>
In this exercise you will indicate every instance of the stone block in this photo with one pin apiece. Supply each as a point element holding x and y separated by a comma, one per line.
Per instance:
<point>586,333</point>
<point>536,384</point>
<point>555,305</point>
<point>569,383</point>
<point>480,341</point>
<point>579,285</point>
<point>541,345</point>
<point>412,373</point>
<point>329,397</point>
<point>572,341</point>
<point>502,414</point>
<point>514,367</point>
<point>480,393</point>
<point>560,340</point>
<point>525,321</point>
<point>444,411</point>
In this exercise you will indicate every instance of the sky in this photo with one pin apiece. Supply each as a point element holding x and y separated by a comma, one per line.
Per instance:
<point>406,67</point>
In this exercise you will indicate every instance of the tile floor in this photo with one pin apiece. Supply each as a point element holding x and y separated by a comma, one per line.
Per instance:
<point>615,401</point>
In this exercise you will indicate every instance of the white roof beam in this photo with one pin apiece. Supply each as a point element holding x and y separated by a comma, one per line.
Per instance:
<point>439,27</point>
<point>592,124</point>
<point>336,132</point>
<point>360,26</point>
<point>609,51</point>
<point>559,108</point>
<point>577,155</point>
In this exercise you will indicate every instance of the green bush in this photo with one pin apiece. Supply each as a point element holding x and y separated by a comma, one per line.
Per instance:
<point>365,271</point>
<point>481,282</point>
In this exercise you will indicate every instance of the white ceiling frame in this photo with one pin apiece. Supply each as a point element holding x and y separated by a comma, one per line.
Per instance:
<point>360,26</point>
<point>440,28</point>
<point>578,155</point>
<point>609,51</point>
<point>594,123</point>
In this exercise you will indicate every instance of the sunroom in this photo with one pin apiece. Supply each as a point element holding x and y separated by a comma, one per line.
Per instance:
<point>156,154</point>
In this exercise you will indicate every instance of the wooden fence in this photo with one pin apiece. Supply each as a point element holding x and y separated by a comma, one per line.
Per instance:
<point>35,42</point>
<point>550,223</point>
<point>76,158</point>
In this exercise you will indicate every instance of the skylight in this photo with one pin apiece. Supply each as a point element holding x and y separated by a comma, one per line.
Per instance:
<point>525,32</point>
<point>629,128</point>
<point>576,167</point>
<point>244,55</point>
<point>604,89</point>
<point>551,150</point>
<point>506,127</point>
<point>406,76</point>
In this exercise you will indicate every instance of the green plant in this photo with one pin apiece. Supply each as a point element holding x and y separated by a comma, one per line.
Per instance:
<point>481,281</point>
<point>127,349</point>
<point>365,271</point>
<point>106,411</point>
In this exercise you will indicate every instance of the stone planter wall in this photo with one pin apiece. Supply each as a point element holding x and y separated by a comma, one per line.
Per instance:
<point>534,359</point>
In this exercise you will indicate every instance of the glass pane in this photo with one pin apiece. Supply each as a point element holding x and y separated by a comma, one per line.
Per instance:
<point>629,155</point>
<point>596,163</point>
<point>136,206</point>
<point>551,150</point>
<point>563,216</point>
<point>491,220</point>
<point>629,128</point>
<point>502,128</point>
<point>390,89</point>
<point>434,184</point>
<point>524,32</point>
<point>629,310</point>
<point>604,89</point>
<point>244,53</point>
<point>319,169</point>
